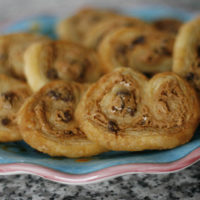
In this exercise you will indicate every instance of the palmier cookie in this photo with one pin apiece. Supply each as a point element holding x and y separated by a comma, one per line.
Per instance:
<point>96,34</point>
<point>169,25</point>
<point>146,50</point>
<point>47,61</point>
<point>186,59</point>
<point>75,27</point>
<point>13,93</point>
<point>47,123</point>
<point>12,49</point>
<point>125,111</point>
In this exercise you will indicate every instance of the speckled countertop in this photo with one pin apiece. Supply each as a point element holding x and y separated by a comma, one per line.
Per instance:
<point>183,185</point>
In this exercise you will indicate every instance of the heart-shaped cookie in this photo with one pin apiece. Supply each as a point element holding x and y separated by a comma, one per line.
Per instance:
<point>75,27</point>
<point>142,48</point>
<point>47,123</point>
<point>98,32</point>
<point>13,93</point>
<point>186,58</point>
<point>12,48</point>
<point>125,111</point>
<point>53,60</point>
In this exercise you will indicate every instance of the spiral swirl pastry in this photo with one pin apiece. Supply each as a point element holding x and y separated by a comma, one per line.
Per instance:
<point>96,34</point>
<point>75,27</point>
<point>145,49</point>
<point>125,111</point>
<point>47,122</point>
<point>168,25</point>
<point>47,61</point>
<point>186,59</point>
<point>12,95</point>
<point>12,48</point>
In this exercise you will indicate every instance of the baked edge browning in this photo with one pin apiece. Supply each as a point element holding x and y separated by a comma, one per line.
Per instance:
<point>35,139</point>
<point>137,142</point>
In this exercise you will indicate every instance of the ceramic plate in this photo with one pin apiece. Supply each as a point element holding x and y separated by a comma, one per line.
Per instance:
<point>18,157</point>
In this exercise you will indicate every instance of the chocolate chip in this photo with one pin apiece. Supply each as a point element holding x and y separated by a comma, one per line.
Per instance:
<point>122,103</point>
<point>198,51</point>
<point>5,121</point>
<point>69,132</point>
<point>131,111</point>
<point>124,93</point>
<point>67,116</point>
<point>143,121</point>
<point>166,51</point>
<point>55,95</point>
<point>58,96</point>
<point>64,116</point>
<point>114,108</point>
<point>190,76</point>
<point>9,96</point>
<point>148,75</point>
<point>68,97</point>
<point>174,92</point>
<point>79,131</point>
<point>112,126</point>
<point>52,74</point>
<point>164,93</point>
<point>138,40</point>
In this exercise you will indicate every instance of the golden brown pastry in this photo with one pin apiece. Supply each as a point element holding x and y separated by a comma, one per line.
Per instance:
<point>75,27</point>
<point>96,34</point>
<point>125,111</point>
<point>12,49</point>
<point>47,123</point>
<point>12,95</point>
<point>169,25</point>
<point>145,49</point>
<point>186,59</point>
<point>47,61</point>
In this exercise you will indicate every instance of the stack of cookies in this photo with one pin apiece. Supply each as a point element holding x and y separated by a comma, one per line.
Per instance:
<point>110,82</point>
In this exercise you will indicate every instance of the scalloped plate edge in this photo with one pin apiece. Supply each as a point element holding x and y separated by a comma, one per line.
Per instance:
<point>100,175</point>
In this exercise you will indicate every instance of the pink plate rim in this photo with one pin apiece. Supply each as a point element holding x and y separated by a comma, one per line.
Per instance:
<point>100,175</point>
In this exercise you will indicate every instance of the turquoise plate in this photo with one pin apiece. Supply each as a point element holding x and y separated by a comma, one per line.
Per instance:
<point>18,157</point>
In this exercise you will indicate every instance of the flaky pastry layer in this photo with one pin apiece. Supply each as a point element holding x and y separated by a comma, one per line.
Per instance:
<point>13,93</point>
<point>47,123</point>
<point>12,48</point>
<point>186,59</point>
<point>53,60</point>
<point>125,111</point>
<point>75,27</point>
<point>99,31</point>
<point>144,49</point>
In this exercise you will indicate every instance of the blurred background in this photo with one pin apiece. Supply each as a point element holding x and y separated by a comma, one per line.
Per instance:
<point>12,12</point>
<point>184,184</point>
<point>19,9</point>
